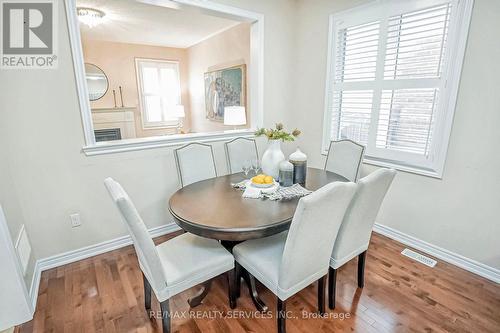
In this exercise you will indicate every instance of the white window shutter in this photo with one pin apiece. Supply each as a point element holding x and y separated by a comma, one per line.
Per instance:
<point>388,77</point>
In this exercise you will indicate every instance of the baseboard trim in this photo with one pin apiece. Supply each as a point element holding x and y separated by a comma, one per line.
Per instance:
<point>87,252</point>
<point>35,284</point>
<point>468,264</point>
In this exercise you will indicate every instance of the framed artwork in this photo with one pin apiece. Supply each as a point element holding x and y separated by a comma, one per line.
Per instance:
<point>224,87</point>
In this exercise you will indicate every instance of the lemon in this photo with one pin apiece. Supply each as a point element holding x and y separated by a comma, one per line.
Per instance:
<point>258,180</point>
<point>268,180</point>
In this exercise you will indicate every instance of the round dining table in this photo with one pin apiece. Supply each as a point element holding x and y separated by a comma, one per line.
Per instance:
<point>213,208</point>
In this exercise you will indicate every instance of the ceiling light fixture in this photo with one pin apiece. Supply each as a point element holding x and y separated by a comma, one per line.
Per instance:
<point>90,16</point>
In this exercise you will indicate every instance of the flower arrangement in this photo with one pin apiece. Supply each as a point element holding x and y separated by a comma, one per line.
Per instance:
<point>278,133</point>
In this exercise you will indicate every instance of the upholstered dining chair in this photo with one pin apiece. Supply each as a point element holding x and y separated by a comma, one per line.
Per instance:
<point>175,265</point>
<point>238,151</point>
<point>288,262</point>
<point>344,158</point>
<point>195,161</point>
<point>356,229</point>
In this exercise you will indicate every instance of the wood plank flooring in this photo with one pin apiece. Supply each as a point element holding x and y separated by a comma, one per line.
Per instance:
<point>105,294</point>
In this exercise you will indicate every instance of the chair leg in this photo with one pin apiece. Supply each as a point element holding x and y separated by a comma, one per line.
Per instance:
<point>237,277</point>
<point>147,293</point>
<point>321,295</point>
<point>361,269</point>
<point>281,316</point>
<point>165,316</point>
<point>332,285</point>
<point>231,277</point>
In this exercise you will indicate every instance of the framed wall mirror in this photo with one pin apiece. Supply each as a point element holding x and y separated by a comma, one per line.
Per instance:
<point>167,88</point>
<point>97,82</point>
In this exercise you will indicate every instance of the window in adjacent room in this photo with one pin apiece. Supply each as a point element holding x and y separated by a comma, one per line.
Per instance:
<point>392,80</point>
<point>159,92</point>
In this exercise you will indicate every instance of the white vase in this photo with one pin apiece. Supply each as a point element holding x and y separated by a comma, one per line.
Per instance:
<point>272,158</point>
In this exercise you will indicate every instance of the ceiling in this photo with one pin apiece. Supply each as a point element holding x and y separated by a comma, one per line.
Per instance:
<point>130,21</point>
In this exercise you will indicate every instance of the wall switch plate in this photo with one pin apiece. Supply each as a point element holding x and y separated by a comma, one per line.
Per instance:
<point>75,220</point>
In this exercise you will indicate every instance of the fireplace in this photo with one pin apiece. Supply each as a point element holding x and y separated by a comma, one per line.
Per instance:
<point>108,134</point>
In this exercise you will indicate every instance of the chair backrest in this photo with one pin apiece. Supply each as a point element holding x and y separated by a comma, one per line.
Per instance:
<point>144,247</point>
<point>344,158</point>
<point>356,229</point>
<point>313,230</point>
<point>238,151</point>
<point>195,161</point>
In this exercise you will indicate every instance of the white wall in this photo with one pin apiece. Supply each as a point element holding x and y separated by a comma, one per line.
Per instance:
<point>9,199</point>
<point>53,178</point>
<point>461,211</point>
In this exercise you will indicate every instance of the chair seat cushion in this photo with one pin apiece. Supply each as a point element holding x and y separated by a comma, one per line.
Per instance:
<point>342,257</point>
<point>262,258</point>
<point>189,260</point>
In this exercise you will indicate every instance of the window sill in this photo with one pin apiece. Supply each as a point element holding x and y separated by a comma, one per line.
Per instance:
<point>401,167</point>
<point>121,146</point>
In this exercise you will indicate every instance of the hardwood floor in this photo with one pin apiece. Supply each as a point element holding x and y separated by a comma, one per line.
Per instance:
<point>105,294</point>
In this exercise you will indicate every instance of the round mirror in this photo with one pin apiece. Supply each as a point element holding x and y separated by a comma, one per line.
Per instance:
<point>97,81</point>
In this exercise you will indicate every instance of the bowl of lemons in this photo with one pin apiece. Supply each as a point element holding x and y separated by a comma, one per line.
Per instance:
<point>262,181</point>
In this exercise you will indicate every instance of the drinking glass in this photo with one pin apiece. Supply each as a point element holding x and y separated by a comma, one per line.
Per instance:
<point>246,167</point>
<point>256,166</point>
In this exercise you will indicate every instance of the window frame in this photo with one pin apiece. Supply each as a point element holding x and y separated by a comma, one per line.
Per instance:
<point>165,123</point>
<point>255,82</point>
<point>457,40</point>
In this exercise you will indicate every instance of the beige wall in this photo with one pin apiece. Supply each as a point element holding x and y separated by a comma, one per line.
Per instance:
<point>117,60</point>
<point>460,212</point>
<point>53,178</point>
<point>231,47</point>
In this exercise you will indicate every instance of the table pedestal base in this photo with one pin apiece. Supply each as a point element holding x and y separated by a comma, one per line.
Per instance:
<point>198,298</point>
<point>250,281</point>
<point>242,273</point>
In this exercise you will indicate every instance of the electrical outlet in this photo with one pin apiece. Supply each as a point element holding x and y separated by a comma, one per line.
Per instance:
<point>75,220</point>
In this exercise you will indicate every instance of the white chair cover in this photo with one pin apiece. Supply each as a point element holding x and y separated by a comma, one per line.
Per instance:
<point>345,158</point>
<point>288,263</point>
<point>145,248</point>
<point>238,151</point>
<point>177,264</point>
<point>356,229</point>
<point>195,162</point>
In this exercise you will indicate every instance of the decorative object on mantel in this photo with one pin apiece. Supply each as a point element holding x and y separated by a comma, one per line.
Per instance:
<point>224,87</point>
<point>235,116</point>
<point>299,161</point>
<point>273,156</point>
<point>114,97</point>
<point>286,174</point>
<point>121,95</point>
<point>179,113</point>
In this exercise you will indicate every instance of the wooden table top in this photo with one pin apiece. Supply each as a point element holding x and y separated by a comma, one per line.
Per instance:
<point>212,208</point>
